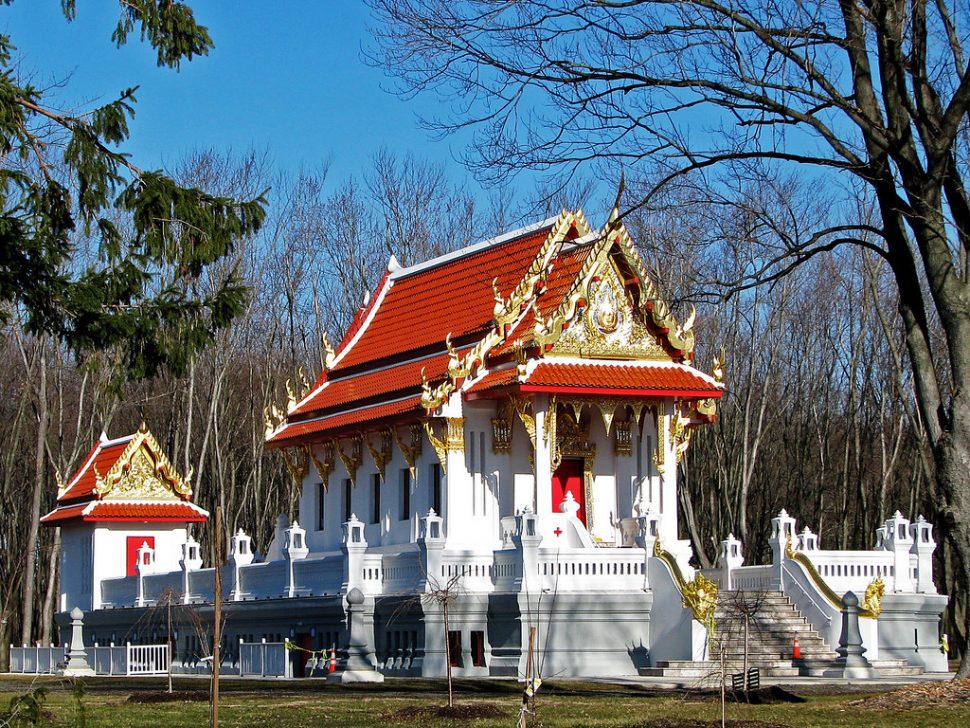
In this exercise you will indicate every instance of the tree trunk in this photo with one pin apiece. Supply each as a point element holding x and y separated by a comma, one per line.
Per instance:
<point>40,481</point>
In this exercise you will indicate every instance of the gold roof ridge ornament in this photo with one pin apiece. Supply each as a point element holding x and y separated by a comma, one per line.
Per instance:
<point>142,471</point>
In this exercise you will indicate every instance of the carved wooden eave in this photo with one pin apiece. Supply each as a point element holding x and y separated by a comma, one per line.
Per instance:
<point>142,472</point>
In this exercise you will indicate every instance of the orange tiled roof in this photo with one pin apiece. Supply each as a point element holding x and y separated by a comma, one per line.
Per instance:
<point>103,455</point>
<point>372,383</point>
<point>644,379</point>
<point>420,306</point>
<point>294,433</point>
<point>128,511</point>
<point>649,378</point>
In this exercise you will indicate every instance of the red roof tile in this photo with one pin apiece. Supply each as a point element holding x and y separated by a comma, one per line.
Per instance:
<point>298,432</point>
<point>127,511</point>
<point>347,390</point>
<point>102,457</point>
<point>661,379</point>
<point>421,308</point>
<point>495,380</point>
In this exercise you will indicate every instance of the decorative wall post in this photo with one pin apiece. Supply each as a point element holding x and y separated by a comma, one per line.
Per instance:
<point>851,661</point>
<point>360,652</point>
<point>921,532</point>
<point>240,555</point>
<point>648,532</point>
<point>807,541</point>
<point>899,541</point>
<point>431,542</point>
<point>77,658</point>
<point>145,565</point>
<point>191,561</point>
<point>729,559</point>
<point>526,540</point>
<point>294,549</point>
<point>782,539</point>
<point>354,547</point>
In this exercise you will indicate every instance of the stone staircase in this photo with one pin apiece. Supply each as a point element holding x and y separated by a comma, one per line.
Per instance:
<point>773,623</point>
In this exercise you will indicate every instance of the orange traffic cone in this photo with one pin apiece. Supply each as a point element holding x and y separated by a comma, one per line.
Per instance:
<point>796,652</point>
<point>333,660</point>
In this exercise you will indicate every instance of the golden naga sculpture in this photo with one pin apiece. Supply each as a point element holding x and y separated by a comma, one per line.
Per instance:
<point>873,600</point>
<point>700,596</point>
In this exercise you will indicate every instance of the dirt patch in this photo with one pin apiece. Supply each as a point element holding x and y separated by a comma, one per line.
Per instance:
<point>459,713</point>
<point>690,723</point>
<point>919,695</point>
<point>177,696</point>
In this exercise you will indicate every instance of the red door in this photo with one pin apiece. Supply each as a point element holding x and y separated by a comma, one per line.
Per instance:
<point>568,478</point>
<point>134,543</point>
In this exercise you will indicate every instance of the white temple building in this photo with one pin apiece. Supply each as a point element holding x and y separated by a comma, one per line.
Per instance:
<point>504,424</point>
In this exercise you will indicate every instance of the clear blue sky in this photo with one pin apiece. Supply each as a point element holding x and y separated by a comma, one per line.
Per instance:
<point>285,76</point>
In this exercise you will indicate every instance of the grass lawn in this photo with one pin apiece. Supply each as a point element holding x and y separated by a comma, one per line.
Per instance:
<point>316,704</point>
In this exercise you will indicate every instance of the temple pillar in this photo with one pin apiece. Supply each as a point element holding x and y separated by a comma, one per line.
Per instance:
<point>668,475</point>
<point>543,457</point>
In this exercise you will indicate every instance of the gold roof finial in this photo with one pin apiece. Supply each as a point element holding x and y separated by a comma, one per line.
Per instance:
<point>615,212</point>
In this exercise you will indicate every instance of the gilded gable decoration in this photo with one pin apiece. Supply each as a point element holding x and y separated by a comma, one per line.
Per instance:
<point>410,451</point>
<point>142,471</point>
<point>326,464</point>
<point>381,456</point>
<point>353,460</point>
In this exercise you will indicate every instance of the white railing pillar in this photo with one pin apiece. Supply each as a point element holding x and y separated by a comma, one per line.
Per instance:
<point>431,542</point>
<point>240,555</point>
<point>807,541</point>
<point>526,540</point>
<point>729,559</point>
<point>294,549</point>
<point>354,547</point>
<point>191,561</point>
<point>144,566</point>
<point>923,546</point>
<point>899,541</point>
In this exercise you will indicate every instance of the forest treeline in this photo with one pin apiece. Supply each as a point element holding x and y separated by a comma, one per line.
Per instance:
<point>818,417</point>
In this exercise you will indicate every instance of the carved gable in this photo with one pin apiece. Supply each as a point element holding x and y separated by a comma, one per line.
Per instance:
<point>142,472</point>
<point>607,326</point>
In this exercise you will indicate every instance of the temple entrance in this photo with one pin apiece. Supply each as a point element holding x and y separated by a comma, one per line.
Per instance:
<point>568,478</point>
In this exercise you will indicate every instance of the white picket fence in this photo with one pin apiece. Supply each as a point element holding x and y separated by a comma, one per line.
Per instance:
<point>36,660</point>
<point>263,659</point>
<point>129,660</point>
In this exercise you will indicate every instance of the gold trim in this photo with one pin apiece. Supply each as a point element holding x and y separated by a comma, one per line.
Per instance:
<point>659,457</point>
<point>699,594</point>
<point>623,440</point>
<point>865,608</point>
<point>325,467</point>
<point>412,451</point>
<point>154,466</point>
<point>439,445</point>
<point>455,434</point>
<point>382,456</point>
<point>297,462</point>
<point>352,461</point>
<point>874,593</point>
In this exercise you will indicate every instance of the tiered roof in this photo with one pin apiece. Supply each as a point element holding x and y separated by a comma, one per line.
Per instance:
<point>492,319</point>
<point>126,479</point>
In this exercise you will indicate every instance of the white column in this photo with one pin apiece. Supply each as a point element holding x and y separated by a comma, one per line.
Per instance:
<point>923,546</point>
<point>668,479</point>
<point>899,541</point>
<point>543,458</point>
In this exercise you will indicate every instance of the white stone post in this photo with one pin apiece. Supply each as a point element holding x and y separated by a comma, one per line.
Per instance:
<point>294,549</point>
<point>782,531</point>
<point>921,533</point>
<point>240,555</point>
<point>354,547</point>
<point>807,541</point>
<point>431,542</point>
<point>729,559</point>
<point>526,539</point>
<point>648,531</point>
<point>77,657</point>
<point>899,541</point>
<point>144,566</point>
<point>191,561</point>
